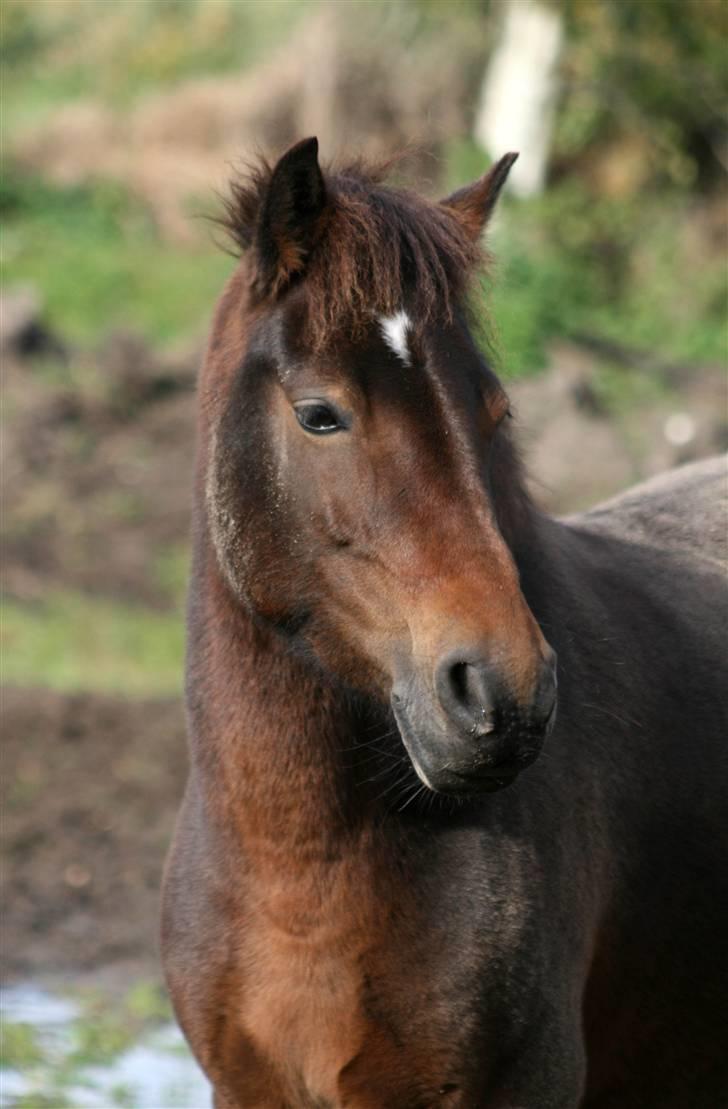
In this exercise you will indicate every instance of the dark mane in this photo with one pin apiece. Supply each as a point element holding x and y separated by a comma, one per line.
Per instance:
<point>378,248</point>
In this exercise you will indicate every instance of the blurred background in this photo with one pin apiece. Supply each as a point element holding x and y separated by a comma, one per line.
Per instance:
<point>605,307</point>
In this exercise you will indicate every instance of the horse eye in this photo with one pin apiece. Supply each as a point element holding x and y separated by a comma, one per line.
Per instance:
<point>319,419</point>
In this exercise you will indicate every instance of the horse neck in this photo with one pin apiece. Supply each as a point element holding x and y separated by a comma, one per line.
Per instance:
<point>268,732</point>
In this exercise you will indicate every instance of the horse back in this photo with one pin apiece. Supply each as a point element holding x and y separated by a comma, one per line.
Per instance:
<point>684,510</point>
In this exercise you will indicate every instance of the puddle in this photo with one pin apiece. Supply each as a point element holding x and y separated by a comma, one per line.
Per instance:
<point>85,1051</point>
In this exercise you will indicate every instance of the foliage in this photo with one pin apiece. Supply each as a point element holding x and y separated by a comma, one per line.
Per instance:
<point>572,265</point>
<point>571,262</point>
<point>651,74</point>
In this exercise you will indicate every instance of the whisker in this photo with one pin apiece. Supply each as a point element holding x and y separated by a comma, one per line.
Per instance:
<point>410,799</point>
<point>369,742</point>
<point>396,784</point>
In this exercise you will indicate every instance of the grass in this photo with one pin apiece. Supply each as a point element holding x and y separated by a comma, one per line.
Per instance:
<point>21,1047</point>
<point>171,571</point>
<point>72,642</point>
<point>57,1064</point>
<point>99,262</point>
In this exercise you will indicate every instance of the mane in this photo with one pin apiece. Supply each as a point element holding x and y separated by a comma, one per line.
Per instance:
<point>377,249</point>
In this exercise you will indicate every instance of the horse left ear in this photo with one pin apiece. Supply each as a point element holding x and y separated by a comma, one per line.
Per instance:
<point>288,219</point>
<point>474,204</point>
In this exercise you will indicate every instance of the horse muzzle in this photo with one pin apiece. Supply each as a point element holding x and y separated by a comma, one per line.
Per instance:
<point>465,732</point>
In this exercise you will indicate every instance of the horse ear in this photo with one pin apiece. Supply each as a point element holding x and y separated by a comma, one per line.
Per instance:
<point>474,204</point>
<point>288,218</point>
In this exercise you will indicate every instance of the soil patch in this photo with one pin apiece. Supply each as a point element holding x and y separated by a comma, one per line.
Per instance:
<point>97,462</point>
<point>90,790</point>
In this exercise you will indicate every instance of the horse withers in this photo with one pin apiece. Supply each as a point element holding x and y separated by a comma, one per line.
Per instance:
<point>408,872</point>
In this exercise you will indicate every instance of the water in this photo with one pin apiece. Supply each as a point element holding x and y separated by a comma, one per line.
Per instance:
<point>65,1053</point>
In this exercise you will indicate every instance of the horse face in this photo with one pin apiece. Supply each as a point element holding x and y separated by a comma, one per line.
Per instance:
<point>350,501</point>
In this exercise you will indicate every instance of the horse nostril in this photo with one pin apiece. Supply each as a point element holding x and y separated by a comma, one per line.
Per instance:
<point>459,680</point>
<point>464,692</point>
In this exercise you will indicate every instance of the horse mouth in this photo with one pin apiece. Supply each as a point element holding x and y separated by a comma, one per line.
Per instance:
<point>465,776</point>
<point>457,783</point>
<point>453,783</point>
<point>490,781</point>
<point>459,765</point>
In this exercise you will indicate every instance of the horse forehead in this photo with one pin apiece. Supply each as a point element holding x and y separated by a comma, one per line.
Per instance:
<point>395,330</point>
<point>283,335</point>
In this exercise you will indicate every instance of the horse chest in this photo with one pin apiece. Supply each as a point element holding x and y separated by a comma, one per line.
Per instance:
<point>336,1028</point>
<point>301,1008</point>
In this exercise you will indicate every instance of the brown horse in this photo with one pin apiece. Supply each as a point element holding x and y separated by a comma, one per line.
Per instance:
<point>379,896</point>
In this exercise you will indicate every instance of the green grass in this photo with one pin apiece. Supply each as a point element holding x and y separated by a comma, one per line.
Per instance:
<point>104,1027</point>
<point>99,262</point>
<point>72,642</point>
<point>171,571</point>
<point>19,1045</point>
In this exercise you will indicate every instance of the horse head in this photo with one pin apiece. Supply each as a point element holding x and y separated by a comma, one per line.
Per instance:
<point>361,485</point>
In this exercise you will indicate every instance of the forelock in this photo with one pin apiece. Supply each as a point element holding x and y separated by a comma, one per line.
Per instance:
<point>379,249</point>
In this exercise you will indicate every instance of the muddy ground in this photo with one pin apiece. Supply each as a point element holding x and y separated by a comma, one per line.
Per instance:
<point>97,455</point>
<point>90,788</point>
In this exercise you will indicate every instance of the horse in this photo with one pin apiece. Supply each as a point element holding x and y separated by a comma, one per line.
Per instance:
<point>409,871</point>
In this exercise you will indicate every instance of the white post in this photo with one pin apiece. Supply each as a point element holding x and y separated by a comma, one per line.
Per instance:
<point>519,90</point>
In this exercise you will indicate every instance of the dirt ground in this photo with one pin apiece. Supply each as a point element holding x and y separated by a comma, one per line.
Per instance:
<point>90,788</point>
<point>97,457</point>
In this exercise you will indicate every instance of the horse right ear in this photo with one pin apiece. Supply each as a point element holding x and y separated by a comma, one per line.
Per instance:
<point>289,217</point>
<point>474,204</point>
